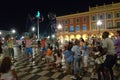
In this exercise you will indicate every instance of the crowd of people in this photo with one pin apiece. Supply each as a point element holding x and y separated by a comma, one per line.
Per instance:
<point>69,57</point>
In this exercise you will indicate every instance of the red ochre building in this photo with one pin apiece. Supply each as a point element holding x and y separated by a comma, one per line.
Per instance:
<point>75,26</point>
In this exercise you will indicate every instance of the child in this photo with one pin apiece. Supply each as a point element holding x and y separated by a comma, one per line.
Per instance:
<point>85,57</point>
<point>99,68</point>
<point>7,70</point>
<point>58,61</point>
<point>49,56</point>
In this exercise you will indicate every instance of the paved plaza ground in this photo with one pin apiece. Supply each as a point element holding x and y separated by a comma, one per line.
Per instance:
<point>37,70</point>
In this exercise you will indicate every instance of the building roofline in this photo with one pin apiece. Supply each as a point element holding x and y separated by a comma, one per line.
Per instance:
<point>72,15</point>
<point>104,7</point>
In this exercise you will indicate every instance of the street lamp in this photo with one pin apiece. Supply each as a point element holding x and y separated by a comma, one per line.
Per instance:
<point>99,23</point>
<point>33,29</point>
<point>59,27</point>
<point>13,31</point>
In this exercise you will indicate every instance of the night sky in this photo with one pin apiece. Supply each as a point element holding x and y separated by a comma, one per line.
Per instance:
<point>14,13</point>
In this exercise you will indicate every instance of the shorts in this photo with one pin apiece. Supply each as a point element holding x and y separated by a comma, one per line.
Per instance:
<point>29,50</point>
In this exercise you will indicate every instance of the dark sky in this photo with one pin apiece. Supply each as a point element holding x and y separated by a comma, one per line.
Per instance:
<point>14,13</point>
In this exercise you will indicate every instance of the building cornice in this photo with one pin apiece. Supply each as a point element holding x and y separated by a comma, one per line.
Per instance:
<point>105,7</point>
<point>97,9</point>
<point>73,15</point>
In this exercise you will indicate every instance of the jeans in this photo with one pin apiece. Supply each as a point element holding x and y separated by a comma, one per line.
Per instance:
<point>76,64</point>
<point>11,52</point>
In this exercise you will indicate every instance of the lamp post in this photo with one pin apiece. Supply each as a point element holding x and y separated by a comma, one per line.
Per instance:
<point>99,23</point>
<point>38,17</point>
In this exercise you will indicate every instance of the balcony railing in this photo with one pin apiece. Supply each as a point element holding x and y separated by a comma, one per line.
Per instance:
<point>115,28</point>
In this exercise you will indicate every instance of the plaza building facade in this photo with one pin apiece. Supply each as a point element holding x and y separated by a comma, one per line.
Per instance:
<point>75,26</point>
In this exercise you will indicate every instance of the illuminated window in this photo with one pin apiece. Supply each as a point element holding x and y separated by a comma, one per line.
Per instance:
<point>71,28</point>
<point>77,28</point>
<point>84,27</point>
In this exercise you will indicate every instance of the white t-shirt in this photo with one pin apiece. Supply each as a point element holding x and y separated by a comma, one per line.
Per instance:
<point>8,75</point>
<point>76,49</point>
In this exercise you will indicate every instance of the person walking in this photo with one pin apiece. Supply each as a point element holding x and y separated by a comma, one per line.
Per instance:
<point>1,50</point>
<point>10,45</point>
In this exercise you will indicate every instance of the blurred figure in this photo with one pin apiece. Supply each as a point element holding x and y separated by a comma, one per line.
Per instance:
<point>117,47</point>
<point>68,58</point>
<point>49,56</point>
<point>7,70</point>
<point>28,45</point>
<point>85,56</point>
<point>77,57</point>
<point>10,45</point>
<point>1,50</point>
<point>23,46</point>
<point>99,62</point>
<point>44,48</point>
<point>109,50</point>
<point>58,60</point>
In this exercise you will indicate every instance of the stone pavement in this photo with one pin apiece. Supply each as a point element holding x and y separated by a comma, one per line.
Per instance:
<point>37,70</point>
